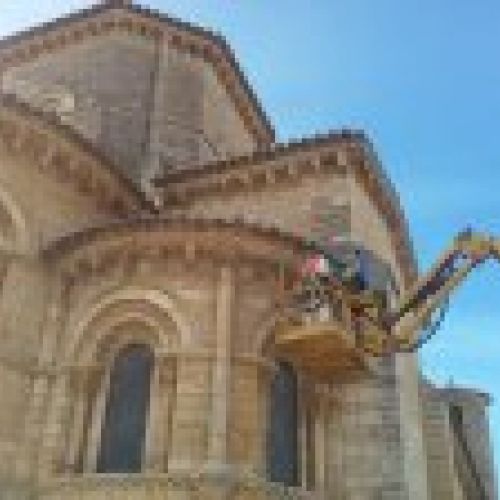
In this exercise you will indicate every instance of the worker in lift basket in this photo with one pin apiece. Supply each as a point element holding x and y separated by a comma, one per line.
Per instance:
<point>358,283</point>
<point>315,274</point>
<point>355,277</point>
<point>360,270</point>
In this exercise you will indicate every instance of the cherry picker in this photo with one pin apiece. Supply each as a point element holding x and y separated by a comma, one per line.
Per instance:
<point>331,329</point>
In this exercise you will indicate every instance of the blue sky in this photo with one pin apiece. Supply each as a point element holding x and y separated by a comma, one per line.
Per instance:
<point>422,78</point>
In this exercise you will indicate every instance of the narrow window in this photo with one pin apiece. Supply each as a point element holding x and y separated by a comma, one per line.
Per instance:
<point>124,427</point>
<point>283,432</point>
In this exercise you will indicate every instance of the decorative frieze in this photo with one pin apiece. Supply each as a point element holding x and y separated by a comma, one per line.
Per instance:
<point>50,152</point>
<point>89,253</point>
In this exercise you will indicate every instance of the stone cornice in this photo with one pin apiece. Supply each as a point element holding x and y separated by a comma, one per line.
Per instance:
<point>90,250</point>
<point>461,395</point>
<point>338,152</point>
<point>344,137</point>
<point>122,16</point>
<point>57,151</point>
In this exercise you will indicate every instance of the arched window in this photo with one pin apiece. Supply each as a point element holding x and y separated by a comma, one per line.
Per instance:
<point>282,442</point>
<point>124,426</point>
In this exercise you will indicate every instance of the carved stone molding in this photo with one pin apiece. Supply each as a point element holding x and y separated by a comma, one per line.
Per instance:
<point>81,255</point>
<point>54,151</point>
<point>233,176</point>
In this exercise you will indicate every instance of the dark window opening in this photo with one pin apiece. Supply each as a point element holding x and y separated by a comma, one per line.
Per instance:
<point>124,427</point>
<point>282,442</point>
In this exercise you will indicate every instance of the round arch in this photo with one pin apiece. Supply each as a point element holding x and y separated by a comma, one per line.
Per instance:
<point>149,306</point>
<point>132,316</point>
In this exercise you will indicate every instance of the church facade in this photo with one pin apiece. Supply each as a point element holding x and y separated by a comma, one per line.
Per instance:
<point>145,213</point>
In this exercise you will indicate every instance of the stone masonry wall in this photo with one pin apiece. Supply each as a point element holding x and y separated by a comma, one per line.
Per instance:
<point>211,401</point>
<point>362,455</point>
<point>366,446</point>
<point>135,99</point>
<point>294,207</point>
<point>438,445</point>
<point>49,209</point>
<point>475,432</point>
<point>41,209</point>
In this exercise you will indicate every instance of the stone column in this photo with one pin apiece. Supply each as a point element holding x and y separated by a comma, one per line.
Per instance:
<point>155,439</point>
<point>303,446</point>
<point>218,439</point>
<point>167,403</point>
<point>306,439</point>
<point>97,416</point>
<point>51,459</point>
<point>80,398</point>
<point>320,444</point>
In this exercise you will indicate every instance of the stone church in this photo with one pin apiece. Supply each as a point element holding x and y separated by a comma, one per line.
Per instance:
<point>145,213</point>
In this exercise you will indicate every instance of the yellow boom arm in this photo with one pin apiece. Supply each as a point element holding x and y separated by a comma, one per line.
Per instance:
<point>468,250</point>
